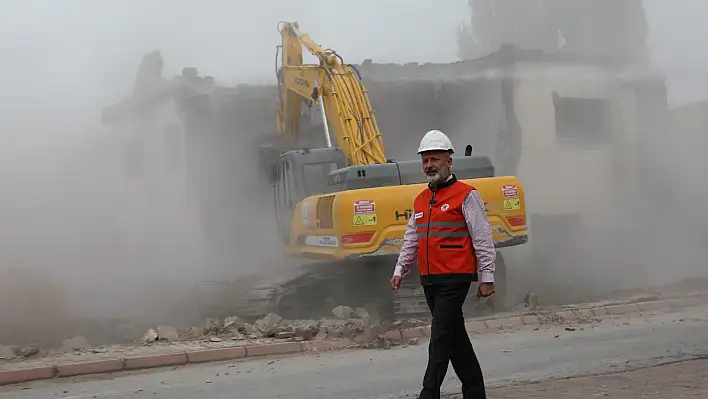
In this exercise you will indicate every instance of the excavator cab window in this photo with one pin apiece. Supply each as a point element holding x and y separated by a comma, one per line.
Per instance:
<point>283,191</point>
<point>287,180</point>
<point>315,176</point>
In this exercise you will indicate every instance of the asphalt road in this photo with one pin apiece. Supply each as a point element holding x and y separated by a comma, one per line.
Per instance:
<point>518,356</point>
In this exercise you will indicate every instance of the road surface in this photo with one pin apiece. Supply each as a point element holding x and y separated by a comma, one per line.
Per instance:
<point>508,357</point>
<point>680,380</point>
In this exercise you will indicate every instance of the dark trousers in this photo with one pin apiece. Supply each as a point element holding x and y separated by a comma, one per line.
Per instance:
<point>449,342</point>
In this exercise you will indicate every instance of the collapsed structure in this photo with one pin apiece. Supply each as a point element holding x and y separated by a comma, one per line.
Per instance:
<point>192,145</point>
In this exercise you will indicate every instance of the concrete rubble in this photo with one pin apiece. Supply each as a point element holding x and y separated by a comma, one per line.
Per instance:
<point>355,324</point>
<point>193,332</point>
<point>372,335</point>
<point>342,312</point>
<point>167,333</point>
<point>346,322</point>
<point>150,336</point>
<point>76,343</point>
<point>9,352</point>
<point>531,300</point>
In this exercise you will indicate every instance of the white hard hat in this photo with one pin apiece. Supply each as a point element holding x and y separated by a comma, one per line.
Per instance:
<point>435,140</point>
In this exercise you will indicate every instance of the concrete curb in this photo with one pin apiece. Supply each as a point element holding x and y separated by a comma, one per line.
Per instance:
<point>8,377</point>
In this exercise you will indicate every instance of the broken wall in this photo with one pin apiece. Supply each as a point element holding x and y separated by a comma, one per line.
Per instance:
<point>566,169</point>
<point>685,147</point>
<point>155,164</point>
<point>589,192</point>
<point>506,109</point>
<point>469,112</point>
<point>551,189</point>
<point>224,129</point>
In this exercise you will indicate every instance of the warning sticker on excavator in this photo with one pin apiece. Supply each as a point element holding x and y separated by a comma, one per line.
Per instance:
<point>512,202</point>
<point>365,220</point>
<point>364,207</point>
<point>510,192</point>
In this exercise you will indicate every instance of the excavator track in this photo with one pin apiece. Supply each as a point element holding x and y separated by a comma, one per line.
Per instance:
<point>318,288</point>
<point>409,300</point>
<point>315,291</point>
<point>361,284</point>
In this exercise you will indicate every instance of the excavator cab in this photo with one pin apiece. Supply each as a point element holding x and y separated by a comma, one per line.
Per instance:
<point>299,174</point>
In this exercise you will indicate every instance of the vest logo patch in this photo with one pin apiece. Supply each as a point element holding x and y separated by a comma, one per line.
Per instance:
<point>445,207</point>
<point>418,215</point>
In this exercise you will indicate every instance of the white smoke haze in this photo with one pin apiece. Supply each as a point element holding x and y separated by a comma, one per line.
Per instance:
<point>64,249</point>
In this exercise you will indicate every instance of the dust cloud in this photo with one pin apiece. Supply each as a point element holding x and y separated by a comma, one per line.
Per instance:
<point>637,222</point>
<point>649,234</point>
<point>87,249</point>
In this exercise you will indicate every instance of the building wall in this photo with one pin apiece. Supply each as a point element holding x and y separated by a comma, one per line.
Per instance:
<point>684,159</point>
<point>561,175</point>
<point>689,131</point>
<point>157,212</point>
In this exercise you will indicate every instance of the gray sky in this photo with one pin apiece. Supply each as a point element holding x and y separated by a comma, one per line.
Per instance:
<point>678,39</point>
<point>64,59</point>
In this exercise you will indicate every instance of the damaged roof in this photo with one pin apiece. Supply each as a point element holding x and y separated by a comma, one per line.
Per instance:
<point>509,61</point>
<point>502,63</point>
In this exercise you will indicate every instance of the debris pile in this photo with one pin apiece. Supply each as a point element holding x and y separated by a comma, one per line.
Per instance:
<point>346,322</point>
<point>10,352</point>
<point>78,345</point>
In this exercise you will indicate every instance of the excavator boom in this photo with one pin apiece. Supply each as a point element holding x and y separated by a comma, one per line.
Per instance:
<point>338,90</point>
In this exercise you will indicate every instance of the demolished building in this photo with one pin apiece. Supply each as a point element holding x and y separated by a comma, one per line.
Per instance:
<point>556,121</point>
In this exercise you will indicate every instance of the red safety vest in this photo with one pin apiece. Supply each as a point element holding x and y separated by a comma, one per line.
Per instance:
<point>445,250</point>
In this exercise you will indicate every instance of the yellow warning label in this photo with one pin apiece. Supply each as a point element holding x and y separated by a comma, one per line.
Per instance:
<point>365,220</point>
<point>512,204</point>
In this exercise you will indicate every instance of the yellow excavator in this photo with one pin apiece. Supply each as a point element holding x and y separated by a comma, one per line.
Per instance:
<point>345,206</point>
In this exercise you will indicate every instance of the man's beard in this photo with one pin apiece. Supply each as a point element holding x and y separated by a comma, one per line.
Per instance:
<point>433,179</point>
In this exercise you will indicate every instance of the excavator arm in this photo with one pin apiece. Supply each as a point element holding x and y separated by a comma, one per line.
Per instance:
<point>338,90</point>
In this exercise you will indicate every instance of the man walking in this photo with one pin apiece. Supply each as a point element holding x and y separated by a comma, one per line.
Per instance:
<point>451,239</point>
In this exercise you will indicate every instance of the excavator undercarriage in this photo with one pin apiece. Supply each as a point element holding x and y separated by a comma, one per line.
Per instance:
<point>314,289</point>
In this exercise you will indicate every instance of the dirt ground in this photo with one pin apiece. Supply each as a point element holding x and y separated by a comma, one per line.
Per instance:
<point>682,380</point>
